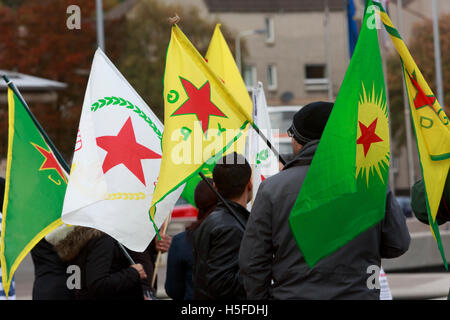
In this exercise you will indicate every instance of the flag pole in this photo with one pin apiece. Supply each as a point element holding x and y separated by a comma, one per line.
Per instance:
<point>269,144</point>
<point>408,133</point>
<point>221,198</point>
<point>328,51</point>
<point>158,257</point>
<point>100,32</point>
<point>61,160</point>
<point>437,54</point>
<point>59,157</point>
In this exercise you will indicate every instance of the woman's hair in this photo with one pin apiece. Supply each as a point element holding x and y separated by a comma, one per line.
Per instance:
<point>205,201</point>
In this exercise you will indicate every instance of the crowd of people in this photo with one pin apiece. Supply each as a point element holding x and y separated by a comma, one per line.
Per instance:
<point>229,253</point>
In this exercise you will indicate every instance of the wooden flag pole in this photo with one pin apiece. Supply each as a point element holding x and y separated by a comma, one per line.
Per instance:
<point>158,257</point>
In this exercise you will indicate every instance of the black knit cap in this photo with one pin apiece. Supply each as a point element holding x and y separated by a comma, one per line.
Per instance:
<point>309,122</point>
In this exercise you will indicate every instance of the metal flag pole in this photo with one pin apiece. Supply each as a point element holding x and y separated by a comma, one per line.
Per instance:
<point>408,133</point>
<point>100,32</point>
<point>327,49</point>
<point>131,261</point>
<point>437,54</point>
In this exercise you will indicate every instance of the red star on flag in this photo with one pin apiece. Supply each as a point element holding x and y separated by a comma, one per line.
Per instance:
<point>421,99</point>
<point>368,135</point>
<point>123,149</point>
<point>198,103</point>
<point>50,162</point>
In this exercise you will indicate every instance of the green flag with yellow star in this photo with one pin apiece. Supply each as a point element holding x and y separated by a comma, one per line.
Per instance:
<point>344,192</point>
<point>34,191</point>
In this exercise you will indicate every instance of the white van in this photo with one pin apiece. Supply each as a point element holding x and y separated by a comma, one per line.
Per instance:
<point>281,119</point>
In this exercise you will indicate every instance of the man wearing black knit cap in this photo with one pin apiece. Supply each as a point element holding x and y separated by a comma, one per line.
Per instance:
<point>272,265</point>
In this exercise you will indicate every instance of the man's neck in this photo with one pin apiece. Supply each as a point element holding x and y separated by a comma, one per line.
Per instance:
<point>241,200</point>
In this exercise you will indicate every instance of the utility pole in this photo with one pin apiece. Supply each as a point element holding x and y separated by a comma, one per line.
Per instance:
<point>100,32</point>
<point>437,54</point>
<point>408,133</point>
<point>328,51</point>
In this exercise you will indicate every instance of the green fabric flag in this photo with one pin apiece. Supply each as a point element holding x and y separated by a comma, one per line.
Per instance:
<point>344,192</point>
<point>191,184</point>
<point>34,191</point>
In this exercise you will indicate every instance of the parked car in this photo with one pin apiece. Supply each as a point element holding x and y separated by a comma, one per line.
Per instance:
<point>184,211</point>
<point>405,204</point>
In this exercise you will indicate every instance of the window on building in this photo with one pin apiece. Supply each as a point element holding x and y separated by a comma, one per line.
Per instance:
<point>316,77</point>
<point>271,77</point>
<point>270,34</point>
<point>250,76</point>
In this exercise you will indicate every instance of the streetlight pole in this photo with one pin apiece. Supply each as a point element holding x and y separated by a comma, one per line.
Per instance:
<point>437,54</point>
<point>328,51</point>
<point>238,44</point>
<point>100,33</point>
<point>408,133</point>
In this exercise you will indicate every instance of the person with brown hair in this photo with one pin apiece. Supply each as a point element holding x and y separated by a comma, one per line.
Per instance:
<point>106,273</point>
<point>180,258</point>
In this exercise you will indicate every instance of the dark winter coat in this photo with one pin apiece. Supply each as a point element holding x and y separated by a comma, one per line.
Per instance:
<point>272,265</point>
<point>419,203</point>
<point>105,270</point>
<point>216,250</point>
<point>50,274</point>
<point>180,260</point>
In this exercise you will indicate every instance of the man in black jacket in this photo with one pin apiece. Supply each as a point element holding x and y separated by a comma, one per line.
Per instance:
<point>216,242</point>
<point>272,265</point>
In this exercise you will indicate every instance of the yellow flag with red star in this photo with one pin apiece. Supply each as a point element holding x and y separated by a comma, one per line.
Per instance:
<point>431,126</point>
<point>221,61</point>
<point>202,118</point>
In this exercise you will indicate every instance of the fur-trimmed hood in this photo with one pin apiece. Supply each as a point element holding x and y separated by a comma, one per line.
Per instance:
<point>69,247</point>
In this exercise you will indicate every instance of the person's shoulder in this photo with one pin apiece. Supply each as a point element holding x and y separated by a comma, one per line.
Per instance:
<point>283,177</point>
<point>179,238</point>
<point>217,220</point>
<point>102,240</point>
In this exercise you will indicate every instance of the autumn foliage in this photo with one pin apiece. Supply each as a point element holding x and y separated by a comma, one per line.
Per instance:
<point>35,40</point>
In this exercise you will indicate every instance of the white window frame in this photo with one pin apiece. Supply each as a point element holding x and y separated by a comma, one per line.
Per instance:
<point>270,30</point>
<point>316,84</point>
<point>253,75</point>
<point>272,68</point>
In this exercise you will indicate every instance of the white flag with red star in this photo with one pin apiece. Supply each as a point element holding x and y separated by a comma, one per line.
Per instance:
<point>116,161</point>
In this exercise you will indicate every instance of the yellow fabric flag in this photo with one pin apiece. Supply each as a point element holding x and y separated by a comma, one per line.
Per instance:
<point>202,118</point>
<point>221,60</point>
<point>431,127</point>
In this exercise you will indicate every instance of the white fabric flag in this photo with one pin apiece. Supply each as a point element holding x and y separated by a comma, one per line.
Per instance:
<point>116,161</point>
<point>263,160</point>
